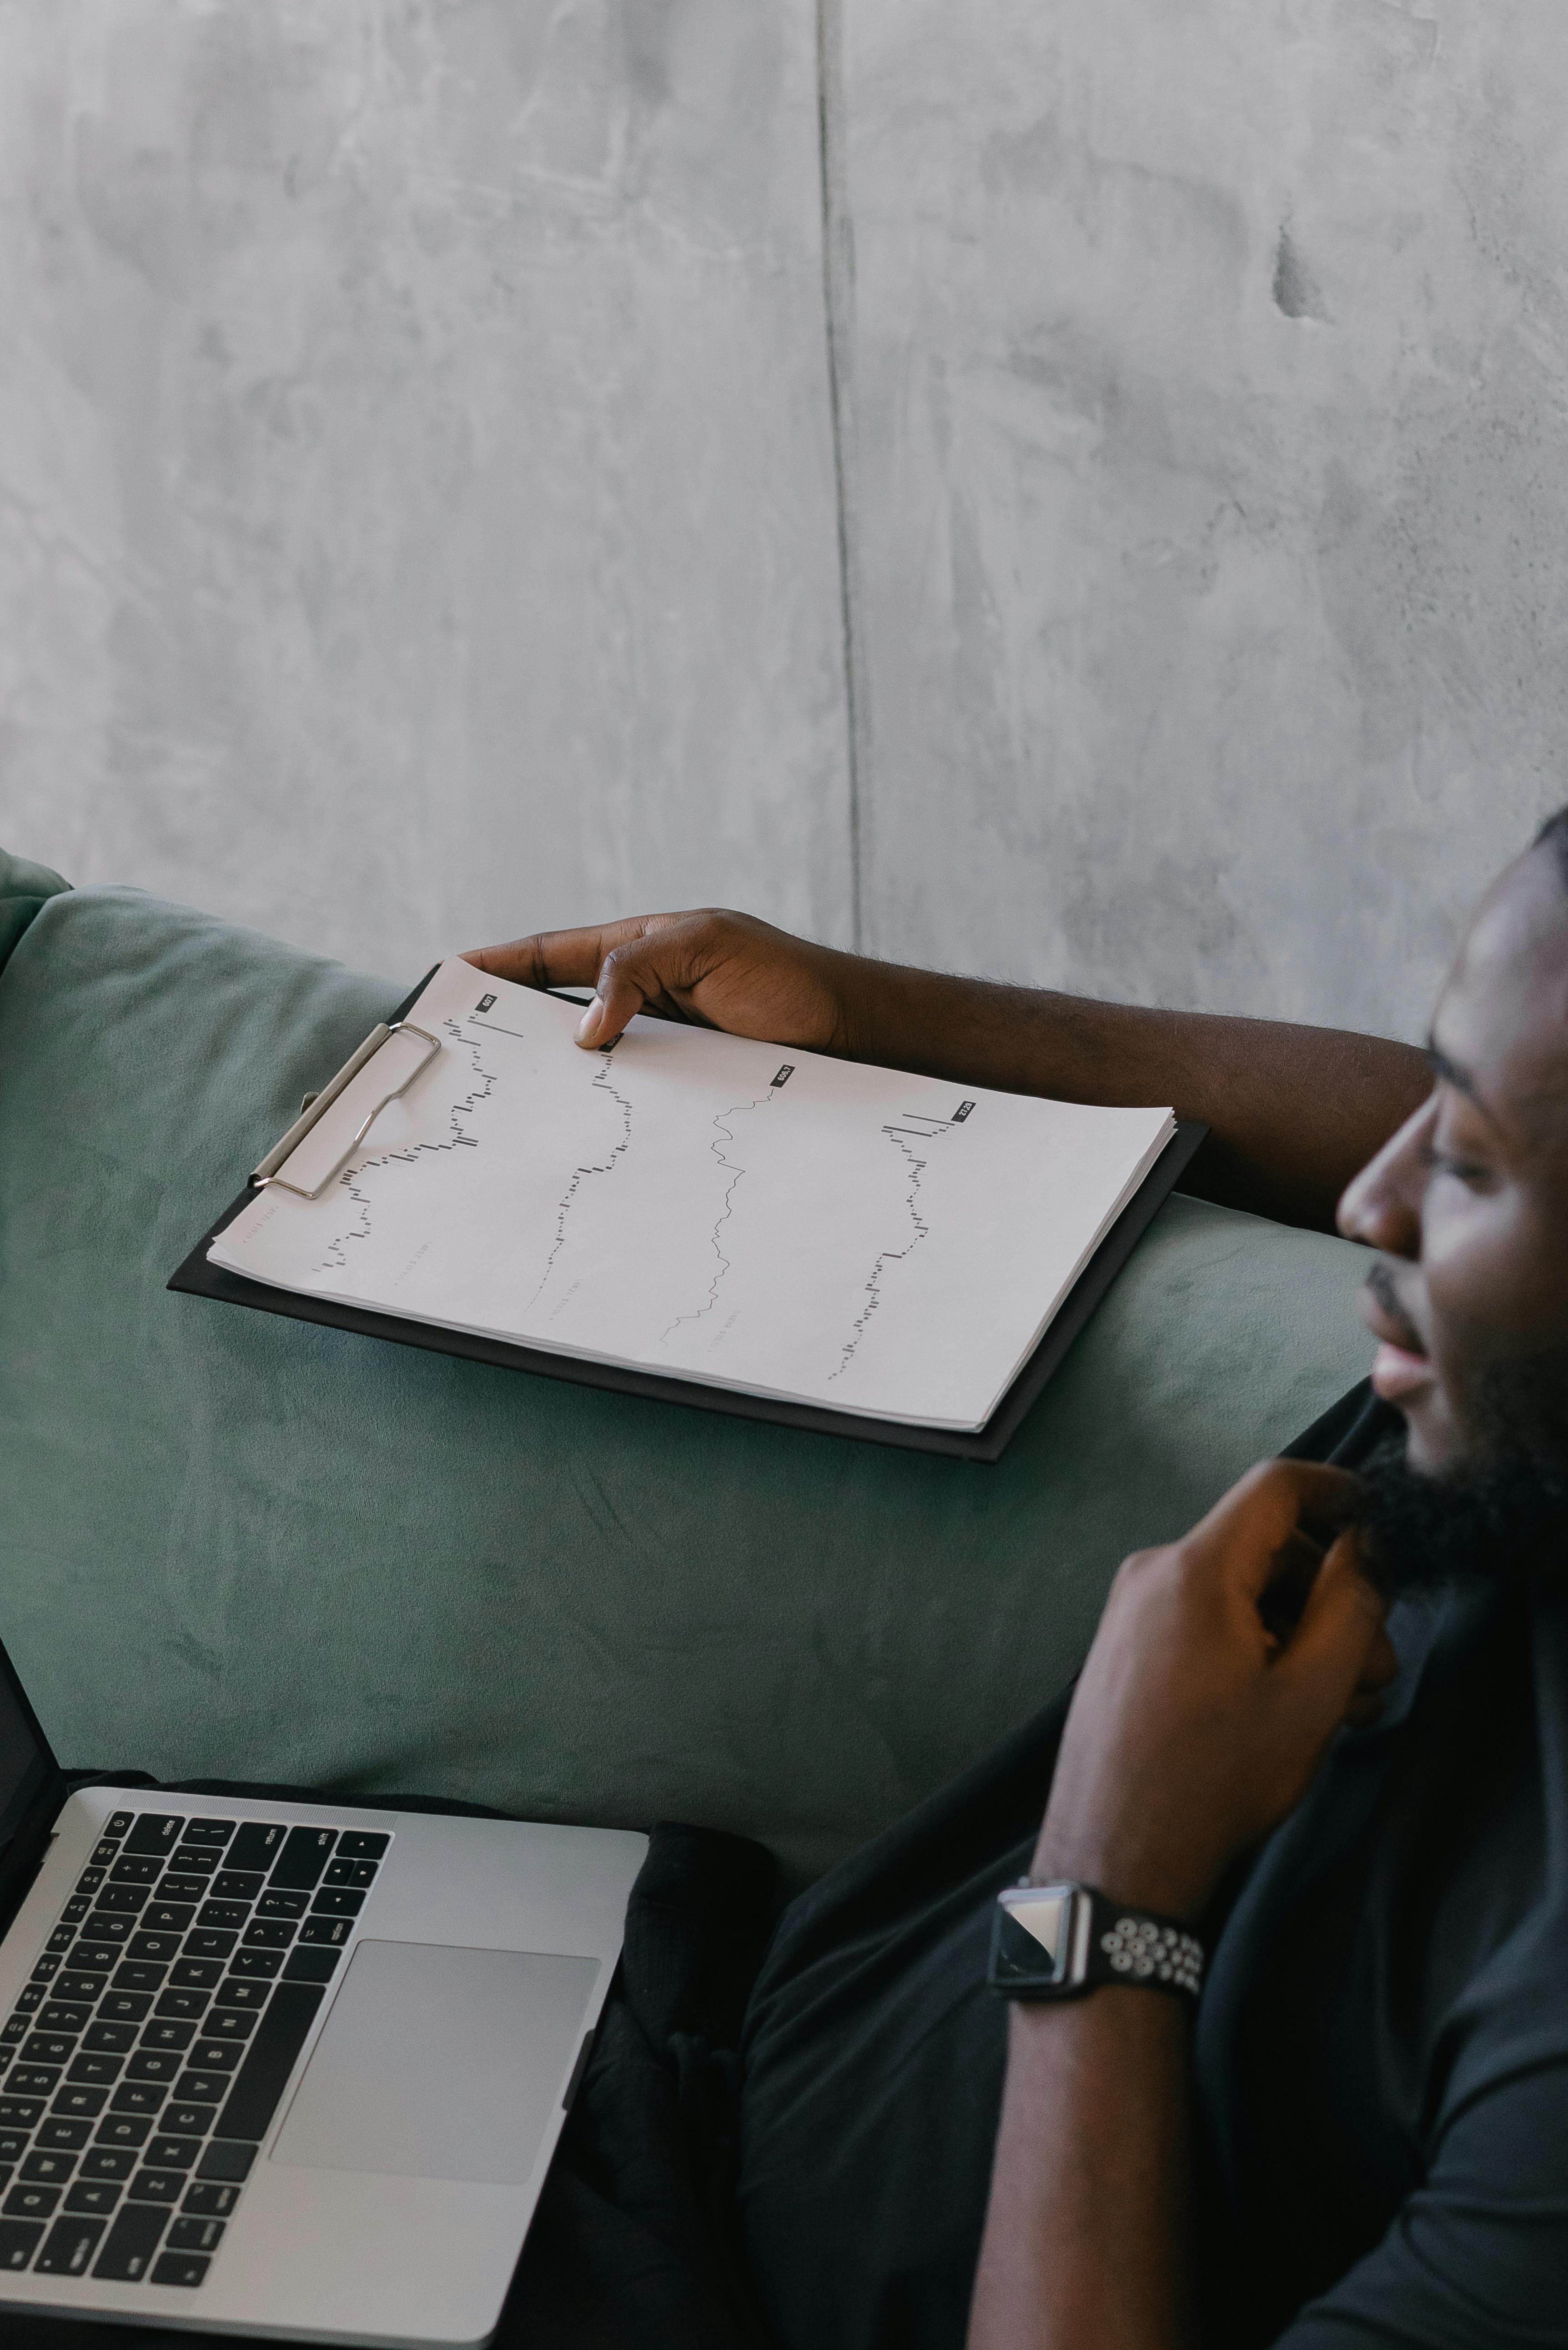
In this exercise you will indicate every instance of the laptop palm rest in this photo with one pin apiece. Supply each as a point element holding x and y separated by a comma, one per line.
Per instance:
<point>439,2063</point>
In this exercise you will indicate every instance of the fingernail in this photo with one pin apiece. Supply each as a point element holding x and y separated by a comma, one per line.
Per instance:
<point>588,1025</point>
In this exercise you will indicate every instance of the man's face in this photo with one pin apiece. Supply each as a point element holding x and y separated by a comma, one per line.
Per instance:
<point>1469,1202</point>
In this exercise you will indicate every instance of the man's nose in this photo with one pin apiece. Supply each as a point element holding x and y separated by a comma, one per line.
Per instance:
<point>1381,1207</point>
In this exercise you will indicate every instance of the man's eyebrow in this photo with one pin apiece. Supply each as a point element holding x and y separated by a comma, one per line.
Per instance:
<point>1453,1073</point>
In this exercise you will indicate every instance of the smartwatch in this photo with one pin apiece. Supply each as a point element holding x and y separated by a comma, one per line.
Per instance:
<point>1059,1941</point>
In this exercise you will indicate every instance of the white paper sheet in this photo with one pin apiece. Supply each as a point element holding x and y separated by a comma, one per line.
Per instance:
<point>698,1205</point>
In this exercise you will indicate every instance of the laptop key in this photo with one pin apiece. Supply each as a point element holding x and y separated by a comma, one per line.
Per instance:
<point>352,1844</point>
<point>202,1942</point>
<point>138,2097</point>
<point>136,1976</point>
<point>32,2080</point>
<point>90,1880</point>
<point>112,2039</point>
<point>229,2023</point>
<point>163,2037</point>
<point>283,1905</point>
<point>106,1850</point>
<point>93,2195</point>
<point>63,2131</point>
<point>172,2153</point>
<point>225,2159</point>
<point>120,2130</point>
<point>18,2241</point>
<point>212,1832</point>
<point>311,1966</point>
<point>305,1854</point>
<point>73,2103</point>
<point>234,1994</point>
<point>359,1873</point>
<point>76,1909</point>
<point>269,1934</point>
<point>154,2064</point>
<point>257,1845</point>
<point>136,1872</point>
<point>19,2113</point>
<point>63,2018</point>
<point>182,1888</point>
<point>156,2186</point>
<point>216,2055</point>
<point>16,2027</point>
<point>336,1901</point>
<point>124,2007</point>
<point>269,2060</point>
<point>181,2004</point>
<point>98,2070</point>
<point>211,2200</point>
<point>118,1824</point>
<point>161,1918</point>
<point>228,1917</point>
<point>32,1995</point>
<point>179,2268</point>
<point>194,1860</point>
<point>28,2202</point>
<point>52,2047</point>
<point>236,1884</point>
<point>131,2242</point>
<point>202,2088</point>
<point>83,1982</point>
<point>188,2121</point>
<point>47,2169</point>
<point>106,2162</point>
<point>68,2247</point>
<point>196,2235</point>
<point>154,1833</point>
<point>48,1968</point>
<point>61,1939</point>
<point>196,1974</point>
<point>158,1947</point>
<point>256,1966</point>
<point>121,1901</point>
<point>14,2145</point>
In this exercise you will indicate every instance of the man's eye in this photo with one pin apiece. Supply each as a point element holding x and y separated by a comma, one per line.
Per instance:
<point>1463,1171</point>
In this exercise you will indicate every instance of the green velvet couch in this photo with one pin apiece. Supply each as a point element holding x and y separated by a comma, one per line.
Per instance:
<point>238,1544</point>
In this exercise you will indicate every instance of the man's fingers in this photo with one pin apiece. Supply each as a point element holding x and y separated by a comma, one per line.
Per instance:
<point>1249,1526</point>
<point>556,958</point>
<point>1340,1629</point>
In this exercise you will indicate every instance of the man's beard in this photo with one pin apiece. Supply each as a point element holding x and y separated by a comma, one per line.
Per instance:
<point>1498,1516</point>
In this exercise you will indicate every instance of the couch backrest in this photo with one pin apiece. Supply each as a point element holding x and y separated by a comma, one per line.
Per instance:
<point>241,1544</point>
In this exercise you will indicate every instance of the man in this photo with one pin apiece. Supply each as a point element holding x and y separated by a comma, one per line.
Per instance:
<point>1326,1736</point>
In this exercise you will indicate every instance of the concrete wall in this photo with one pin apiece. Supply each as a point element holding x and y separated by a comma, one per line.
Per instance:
<point>472,463</point>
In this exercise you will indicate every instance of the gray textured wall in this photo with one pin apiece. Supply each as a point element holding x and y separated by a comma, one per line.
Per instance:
<point>466,463</point>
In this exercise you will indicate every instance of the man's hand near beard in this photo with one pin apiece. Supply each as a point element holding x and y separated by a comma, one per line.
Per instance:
<point>1222,1667</point>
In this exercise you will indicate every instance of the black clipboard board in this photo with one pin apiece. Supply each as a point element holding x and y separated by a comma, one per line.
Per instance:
<point>196,1277</point>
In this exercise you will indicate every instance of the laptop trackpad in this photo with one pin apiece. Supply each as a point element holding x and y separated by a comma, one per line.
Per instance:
<point>437,2062</point>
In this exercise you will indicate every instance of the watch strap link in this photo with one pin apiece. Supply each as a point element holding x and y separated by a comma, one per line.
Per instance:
<point>1060,1941</point>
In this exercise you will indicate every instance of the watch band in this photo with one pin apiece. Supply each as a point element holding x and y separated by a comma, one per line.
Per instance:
<point>1061,1941</point>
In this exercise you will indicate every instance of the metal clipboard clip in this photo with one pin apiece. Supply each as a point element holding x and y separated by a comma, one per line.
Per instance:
<point>319,1104</point>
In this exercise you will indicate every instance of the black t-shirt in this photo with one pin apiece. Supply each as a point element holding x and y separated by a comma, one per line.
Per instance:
<point>1381,2058</point>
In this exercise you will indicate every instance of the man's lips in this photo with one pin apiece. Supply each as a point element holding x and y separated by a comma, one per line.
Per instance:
<point>1396,1373</point>
<point>1401,1367</point>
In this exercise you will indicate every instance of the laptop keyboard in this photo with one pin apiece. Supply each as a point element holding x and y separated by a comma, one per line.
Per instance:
<point>146,2055</point>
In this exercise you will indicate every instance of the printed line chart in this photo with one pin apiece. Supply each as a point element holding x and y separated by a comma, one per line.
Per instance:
<point>686,1202</point>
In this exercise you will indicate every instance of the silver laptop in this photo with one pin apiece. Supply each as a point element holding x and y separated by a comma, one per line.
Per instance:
<point>275,2068</point>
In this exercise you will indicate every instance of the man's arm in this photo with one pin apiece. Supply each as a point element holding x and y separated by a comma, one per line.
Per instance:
<point>1293,1112</point>
<point>1193,1731</point>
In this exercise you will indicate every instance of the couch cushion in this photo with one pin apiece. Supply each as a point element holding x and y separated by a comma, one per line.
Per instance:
<point>241,1544</point>
<point>23,888</point>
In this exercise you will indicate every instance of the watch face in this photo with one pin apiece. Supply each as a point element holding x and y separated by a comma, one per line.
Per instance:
<point>1031,1939</point>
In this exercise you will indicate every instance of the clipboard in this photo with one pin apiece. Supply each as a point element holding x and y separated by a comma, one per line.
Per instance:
<point>197,1277</point>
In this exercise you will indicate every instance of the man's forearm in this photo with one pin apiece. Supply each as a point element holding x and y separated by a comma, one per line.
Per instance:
<point>1293,1112</point>
<point>1086,2237</point>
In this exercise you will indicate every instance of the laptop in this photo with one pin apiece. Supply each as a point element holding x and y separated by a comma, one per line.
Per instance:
<point>279,2068</point>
